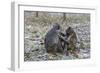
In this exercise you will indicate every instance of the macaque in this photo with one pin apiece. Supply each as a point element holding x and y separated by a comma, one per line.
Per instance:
<point>52,40</point>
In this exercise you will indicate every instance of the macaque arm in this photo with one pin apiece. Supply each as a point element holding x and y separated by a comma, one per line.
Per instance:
<point>70,37</point>
<point>63,38</point>
<point>62,34</point>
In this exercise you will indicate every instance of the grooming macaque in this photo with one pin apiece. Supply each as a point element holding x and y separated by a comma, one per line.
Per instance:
<point>56,41</point>
<point>53,40</point>
<point>72,40</point>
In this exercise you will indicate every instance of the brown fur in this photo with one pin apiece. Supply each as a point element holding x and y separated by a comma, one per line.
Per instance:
<point>72,40</point>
